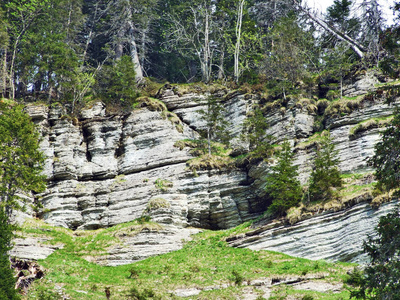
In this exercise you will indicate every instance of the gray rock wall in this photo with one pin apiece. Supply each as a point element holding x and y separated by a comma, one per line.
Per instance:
<point>335,236</point>
<point>103,170</point>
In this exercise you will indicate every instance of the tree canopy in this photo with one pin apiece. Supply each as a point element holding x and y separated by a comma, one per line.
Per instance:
<point>56,49</point>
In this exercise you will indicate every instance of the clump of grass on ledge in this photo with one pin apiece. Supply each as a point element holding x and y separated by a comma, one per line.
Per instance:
<point>357,187</point>
<point>343,106</point>
<point>206,261</point>
<point>218,159</point>
<point>369,124</point>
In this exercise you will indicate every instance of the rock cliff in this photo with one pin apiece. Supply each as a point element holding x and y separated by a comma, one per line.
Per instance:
<point>107,169</point>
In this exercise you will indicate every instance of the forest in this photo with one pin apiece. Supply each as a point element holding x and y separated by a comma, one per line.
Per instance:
<point>75,50</point>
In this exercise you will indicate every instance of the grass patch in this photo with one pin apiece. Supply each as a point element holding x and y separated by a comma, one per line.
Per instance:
<point>206,261</point>
<point>369,124</point>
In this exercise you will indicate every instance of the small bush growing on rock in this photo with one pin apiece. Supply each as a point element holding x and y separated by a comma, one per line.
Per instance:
<point>157,203</point>
<point>163,184</point>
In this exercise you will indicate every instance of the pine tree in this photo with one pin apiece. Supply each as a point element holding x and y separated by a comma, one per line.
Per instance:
<point>254,132</point>
<point>325,177</point>
<point>283,187</point>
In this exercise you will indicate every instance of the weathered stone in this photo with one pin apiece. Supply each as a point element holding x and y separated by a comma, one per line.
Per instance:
<point>331,236</point>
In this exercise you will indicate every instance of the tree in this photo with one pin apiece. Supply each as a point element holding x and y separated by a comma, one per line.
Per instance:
<point>386,159</point>
<point>215,123</point>
<point>283,187</point>
<point>7,280</point>
<point>289,54</point>
<point>380,278</point>
<point>116,83</point>
<point>372,24</point>
<point>325,176</point>
<point>357,47</point>
<point>192,29</point>
<point>254,133</point>
<point>21,161</point>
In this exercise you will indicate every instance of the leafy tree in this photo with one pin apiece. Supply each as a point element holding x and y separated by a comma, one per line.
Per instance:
<point>386,159</point>
<point>283,187</point>
<point>325,176</point>
<point>21,161</point>
<point>7,281</point>
<point>381,277</point>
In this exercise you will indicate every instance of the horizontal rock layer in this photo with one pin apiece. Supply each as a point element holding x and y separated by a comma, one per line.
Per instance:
<point>107,169</point>
<point>335,236</point>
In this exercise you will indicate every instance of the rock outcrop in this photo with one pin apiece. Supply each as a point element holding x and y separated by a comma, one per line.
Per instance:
<point>108,169</point>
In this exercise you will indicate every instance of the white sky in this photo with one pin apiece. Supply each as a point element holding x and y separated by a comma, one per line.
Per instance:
<point>321,5</point>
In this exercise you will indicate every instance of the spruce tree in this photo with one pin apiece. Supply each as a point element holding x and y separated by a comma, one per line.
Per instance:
<point>380,278</point>
<point>283,187</point>
<point>386,159</point>
<point>325,176</point>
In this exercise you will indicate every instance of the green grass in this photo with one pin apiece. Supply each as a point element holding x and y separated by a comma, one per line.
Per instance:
<point>206,261</point>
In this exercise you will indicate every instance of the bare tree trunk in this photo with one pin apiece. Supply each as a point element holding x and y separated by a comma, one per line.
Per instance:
<point>133,48</point>
<point>4,73</point>
<point>206,52</point>
<point>238,38</point>
<point>221,63</point>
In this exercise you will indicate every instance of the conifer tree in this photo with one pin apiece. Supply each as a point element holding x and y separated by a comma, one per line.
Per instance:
<point>21,161</point>
<point>7,281</point>
<point>283,187</point>
<point>254,132</point>
<point>216,125</point>
<point>325,177</point>
<point>386,160</point>
<point>380,278</point>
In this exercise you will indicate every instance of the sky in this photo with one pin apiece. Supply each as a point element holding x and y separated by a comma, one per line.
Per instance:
<point>321,5</point>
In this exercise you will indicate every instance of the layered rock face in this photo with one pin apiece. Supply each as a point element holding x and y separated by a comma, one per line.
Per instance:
<point>105,170</point>
<point>108,169</point>
<point>332,236</point>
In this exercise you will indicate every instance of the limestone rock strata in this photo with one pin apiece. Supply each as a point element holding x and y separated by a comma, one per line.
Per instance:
<point>333,236</point>
<point>104,170</point>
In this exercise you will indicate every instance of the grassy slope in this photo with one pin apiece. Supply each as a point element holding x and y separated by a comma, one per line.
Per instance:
<point>206,261</point>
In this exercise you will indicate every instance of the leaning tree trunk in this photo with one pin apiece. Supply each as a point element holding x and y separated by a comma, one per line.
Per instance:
<point>238,38</point>
<point>358,48</point>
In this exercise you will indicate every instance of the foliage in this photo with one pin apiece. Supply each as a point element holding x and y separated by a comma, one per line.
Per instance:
<point>283,187</point>
<point>380,277</point>
<point>22,161</point>
<point>289,55</point>
<point>163,184</point>
<point>116,84</point>
<point>254,132</point>
<point>7,280</point>
<point>215,123</point>
<point>325,176</point>
<point>386,157</point>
